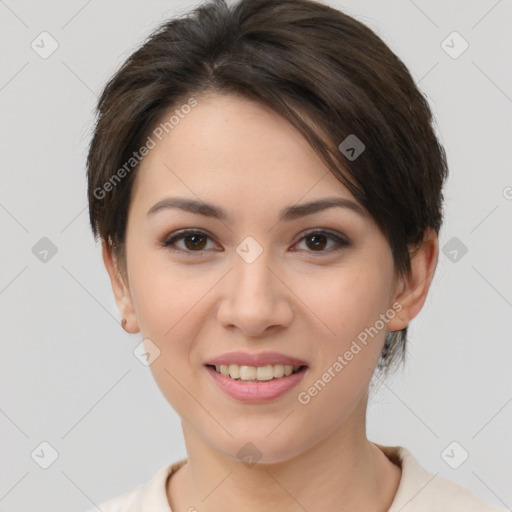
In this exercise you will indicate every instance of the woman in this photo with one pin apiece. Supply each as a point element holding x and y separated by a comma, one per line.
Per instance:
<point>267,187</point>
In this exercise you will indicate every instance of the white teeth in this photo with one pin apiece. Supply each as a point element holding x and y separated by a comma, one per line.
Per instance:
<point>234,371</point>
<point>267,372</point>
<point>248,372</point>
<point>278,370</point>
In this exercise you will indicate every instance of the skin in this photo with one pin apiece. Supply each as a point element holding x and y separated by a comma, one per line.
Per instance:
<point>295,298</point>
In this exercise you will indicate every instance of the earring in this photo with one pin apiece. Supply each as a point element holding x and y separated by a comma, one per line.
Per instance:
<point>123,323</point>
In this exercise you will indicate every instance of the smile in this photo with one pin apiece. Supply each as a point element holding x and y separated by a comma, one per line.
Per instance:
<point>256,373</point>
<point>256,384</point>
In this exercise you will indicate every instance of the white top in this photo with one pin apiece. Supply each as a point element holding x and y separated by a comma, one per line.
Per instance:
<point>418,491</point>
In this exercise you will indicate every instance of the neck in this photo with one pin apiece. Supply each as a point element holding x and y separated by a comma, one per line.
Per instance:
<point>343,472</point>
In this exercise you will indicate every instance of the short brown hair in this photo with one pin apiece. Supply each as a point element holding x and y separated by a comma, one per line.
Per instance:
<point>324,71</point>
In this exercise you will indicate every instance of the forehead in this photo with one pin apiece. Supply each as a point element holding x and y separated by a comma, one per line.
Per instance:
<point>235,149</point>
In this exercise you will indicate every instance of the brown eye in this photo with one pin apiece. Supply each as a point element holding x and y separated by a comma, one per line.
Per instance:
<point>193,241</point>
<point>317,241</point>
<point>321,242</point>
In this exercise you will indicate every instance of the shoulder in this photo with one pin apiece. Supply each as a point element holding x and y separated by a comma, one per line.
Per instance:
<point>128,500</point>
<point>422,491</point>
<point>149,496</point>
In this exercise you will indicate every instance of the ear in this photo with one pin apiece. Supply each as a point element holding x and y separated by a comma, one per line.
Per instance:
<point>121,291</point>
<point>412,289</point>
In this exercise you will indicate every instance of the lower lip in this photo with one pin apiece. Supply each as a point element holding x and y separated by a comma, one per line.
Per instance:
<point>256,391</point>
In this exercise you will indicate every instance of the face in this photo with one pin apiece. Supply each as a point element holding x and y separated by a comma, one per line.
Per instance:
<point>307,285</point>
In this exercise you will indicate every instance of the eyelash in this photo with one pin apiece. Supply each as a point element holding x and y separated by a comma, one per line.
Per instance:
<point>341,242</point>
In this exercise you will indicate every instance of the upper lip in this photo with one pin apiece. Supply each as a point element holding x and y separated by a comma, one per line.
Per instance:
<point>259,359</point>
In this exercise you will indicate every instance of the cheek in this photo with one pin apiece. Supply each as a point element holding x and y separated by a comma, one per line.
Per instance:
<point>167,303</point>
<point>341,302</point>
<point>165,296</point>
<point>350,302</point>
<point>344,302</point>
<point>348,305</point>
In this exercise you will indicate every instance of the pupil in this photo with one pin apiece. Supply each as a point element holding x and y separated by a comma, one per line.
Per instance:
<point>316,243</point>
<point>196,241</point>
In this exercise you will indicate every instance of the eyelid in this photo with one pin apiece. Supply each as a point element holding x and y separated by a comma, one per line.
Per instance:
<point>324,231</point>
<point>341,240</point>
<point>182,233</point>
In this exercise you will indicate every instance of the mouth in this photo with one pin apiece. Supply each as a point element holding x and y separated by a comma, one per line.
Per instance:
<point>256,384</point>
<point>268,372</point>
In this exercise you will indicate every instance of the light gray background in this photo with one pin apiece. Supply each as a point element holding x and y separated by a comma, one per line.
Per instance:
<point>68,375</point>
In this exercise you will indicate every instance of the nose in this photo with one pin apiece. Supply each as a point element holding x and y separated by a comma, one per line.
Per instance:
<point>256,301</point>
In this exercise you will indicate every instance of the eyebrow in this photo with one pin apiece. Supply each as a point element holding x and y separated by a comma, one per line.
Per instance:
<point>286,214</point>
